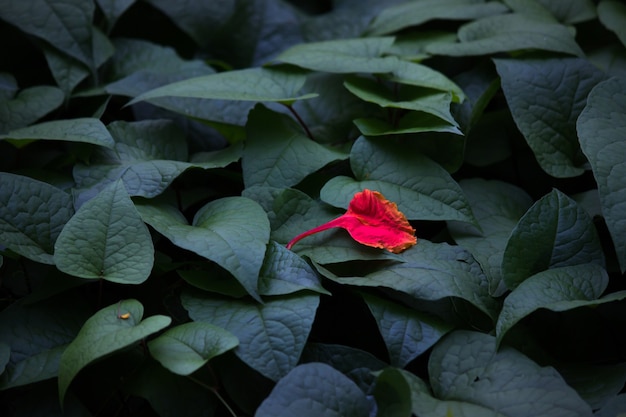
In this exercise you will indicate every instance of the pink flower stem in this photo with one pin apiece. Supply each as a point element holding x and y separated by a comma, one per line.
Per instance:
<point>338,222</point>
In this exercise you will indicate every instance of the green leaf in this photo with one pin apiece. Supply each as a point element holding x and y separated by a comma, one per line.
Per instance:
<point>601,128</point>
<point>67,71</point>
<point>557,289</point>
<point>509,32</point>
<point>147,167</point>
<point>424,404</point>
<point>279,84</point>
<point>314,390</point>
<point>186,348</point>
<point>105,333</point>
<point>407,333</point>
<point>342,55</point>
<point>113,9</point>
<point>217,234</point>
<point>32,215</point>
<point>568,11</point>
<point>284,272</point>
<point>86,130</point>
<point>28,106</point>
<point>397,17</point>
<point>442,270</point>
<point>411,122</point>
<point>615,407</point>
<point>498,206</point>
<point>271,335</point>
<point>612,15</point>
<point>466,366</point>
<point>421,188</point>
<point>408,97</point>
<point>411,73</point>
<point>37,334</point>
<point>554,232</point>
<point>549,123</point>
<point>277,153</point>
<point>393,394</point>
<point>106,239</point>
<point>65,25</point>
<point>358,365</point>
<point>597,384</point>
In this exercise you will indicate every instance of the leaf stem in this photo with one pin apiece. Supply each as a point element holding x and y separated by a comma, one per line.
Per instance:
<point>217,394</point>
<point>333,223</point>
<point>299,119</point>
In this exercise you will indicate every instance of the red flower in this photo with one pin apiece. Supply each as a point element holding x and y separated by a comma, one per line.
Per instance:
<point>373,221</point>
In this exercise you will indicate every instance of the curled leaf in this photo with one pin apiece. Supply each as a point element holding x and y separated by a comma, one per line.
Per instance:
<point>373,221</point>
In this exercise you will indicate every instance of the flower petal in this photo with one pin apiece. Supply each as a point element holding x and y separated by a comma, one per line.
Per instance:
<point>373,221</point>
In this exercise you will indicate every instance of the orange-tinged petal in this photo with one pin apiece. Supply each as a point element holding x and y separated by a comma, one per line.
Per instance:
<point>373,221</point>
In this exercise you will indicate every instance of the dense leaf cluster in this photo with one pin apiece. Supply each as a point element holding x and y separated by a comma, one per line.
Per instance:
<point>156,156</point>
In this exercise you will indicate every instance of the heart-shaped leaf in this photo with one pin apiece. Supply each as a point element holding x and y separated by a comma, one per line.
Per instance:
<point>106,239</point>
<point>110,329</point>
<point>186,348</point>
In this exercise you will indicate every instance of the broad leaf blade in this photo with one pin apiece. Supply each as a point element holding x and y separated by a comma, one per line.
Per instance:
<point>509,32</point>
<point>407,333</point>
<point>106,239</point>
<point>314,390</point>
<point>498,207</point>
<point>253,84</point>
<point>602,128</point>
<point>28,106</point>
<point>48,209</point>
<point>612,15</point>
<point>186,348</point>
<point>554,232</point>
<point>232,231</point>
<point>103,333</point>
<point>546,97</point>
<point>271,335</point>
<point>86,130</point>
<point>343,55</point>
<point>277,153</point>
<point>556,289</point>
<point>466,366</point>
<point>421,188</point>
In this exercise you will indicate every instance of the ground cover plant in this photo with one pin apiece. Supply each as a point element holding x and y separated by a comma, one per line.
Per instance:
<point>163,162</point>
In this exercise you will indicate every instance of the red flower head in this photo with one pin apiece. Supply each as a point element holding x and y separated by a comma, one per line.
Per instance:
<point>373,221</point>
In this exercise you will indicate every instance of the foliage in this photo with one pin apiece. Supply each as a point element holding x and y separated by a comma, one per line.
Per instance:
<point>157,157</point>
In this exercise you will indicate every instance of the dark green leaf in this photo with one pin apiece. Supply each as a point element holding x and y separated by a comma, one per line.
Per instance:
<point>412,122</point>
<point>415,13</point>
<point>186,348</point>
<point>106,239</point>
<point>570,11</point>
<point>408,97</point>
<point>254,84</point>
<point>557,289</point>
<point>217,233</point>
<point>343,55</point>
<point>271,335</point>
<point>106,332</point>
<point>315,390</point>
<point>554,232</point>
<point>284,272</point>
<point>277,153</point>
<point>407,333</point>
<point>545,98</point>
<point>441,270</point>
<point>65,25</point>
<point>509,32</point>
<point>28,106</point>
<point>497,206</point>
<point>37,334</point>
<point>612,14</point>
<point>393,394</point>
<point>466,366</point>
<point>421,188</point>
<point>113,9</point>
<point>48,209</point>
<point>602,128</point>
<point>86,130</point>
<point>615,407</point>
